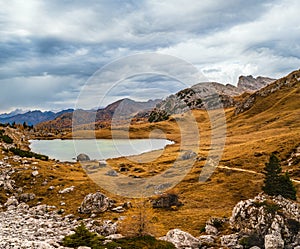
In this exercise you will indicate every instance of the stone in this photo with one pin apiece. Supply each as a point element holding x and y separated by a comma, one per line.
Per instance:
<point>84,247</point>
<point>66,190</point>
<point>118,209</point>
<point>273,241</point>
<point>111,173</point>
<point>114,236</point>
<point>12,201</point>
<point>188,155</point>
<point>35,173</point>
<point>211,230</point>
<point>181,239</point>
<point>207,239</point>
<point>231,241</point>
<point>83,157</point>
<point>166,201</point>
<point>107,228</point>
<point>254,247</point>
<point>95,203</point>
<point>26,197</point>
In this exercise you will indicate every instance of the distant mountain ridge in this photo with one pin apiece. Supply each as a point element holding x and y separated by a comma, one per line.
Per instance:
<point>207,95</point>
<point>32,117</point>
<point>120,110</point>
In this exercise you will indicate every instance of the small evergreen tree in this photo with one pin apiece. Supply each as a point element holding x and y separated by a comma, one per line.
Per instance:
<point>275,183</point>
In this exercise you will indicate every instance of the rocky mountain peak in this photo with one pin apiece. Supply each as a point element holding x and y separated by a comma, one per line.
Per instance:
<point>251,84</point>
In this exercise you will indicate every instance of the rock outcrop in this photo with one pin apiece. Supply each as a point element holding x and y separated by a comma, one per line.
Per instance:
<point>272,222</point>
<point>251,84</point>
<point>289,81</point>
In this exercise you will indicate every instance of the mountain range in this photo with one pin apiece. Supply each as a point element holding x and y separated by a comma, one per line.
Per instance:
<point>198,96</point>
<point>31,117</point>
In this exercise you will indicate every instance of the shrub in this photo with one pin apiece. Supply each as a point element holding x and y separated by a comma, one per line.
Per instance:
<point>24,153</point>
<point>81,237</point>
<point>7,139</point>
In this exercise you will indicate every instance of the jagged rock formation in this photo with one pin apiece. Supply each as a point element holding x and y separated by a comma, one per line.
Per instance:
<point>251,84</point>
<point>208,95</point>
<point>286,82</point>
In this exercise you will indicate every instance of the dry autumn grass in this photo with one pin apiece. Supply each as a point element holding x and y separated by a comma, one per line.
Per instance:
<point>271,125</point>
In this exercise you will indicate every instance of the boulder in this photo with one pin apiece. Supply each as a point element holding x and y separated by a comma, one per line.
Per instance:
<point>95,203</point>
<point>83,157</point>
<point>26,197</point>
<point>111,173</point>
<point>188,155</point>
<point>181,239</point>
<point>273,241</point>
<point>231,241</point>
<point>166,201</point>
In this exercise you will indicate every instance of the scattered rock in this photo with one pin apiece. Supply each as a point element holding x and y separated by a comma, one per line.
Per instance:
<point>35,173</point>
<point>12,201</point>
<point>26,197</point>
<point>188,155</point>
<point>181,239</point>
<point>166,201</point>
<point>118,209</point>
<point>114,236</point>
<point>111,173</point>
<point>66,190</point>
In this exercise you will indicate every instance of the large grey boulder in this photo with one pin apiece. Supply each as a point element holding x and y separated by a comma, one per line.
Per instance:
<point>181,239</point>
<point>95,203</point>
<point>83,157</point>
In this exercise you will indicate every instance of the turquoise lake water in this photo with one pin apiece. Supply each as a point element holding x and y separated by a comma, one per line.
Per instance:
<point>96,149</point>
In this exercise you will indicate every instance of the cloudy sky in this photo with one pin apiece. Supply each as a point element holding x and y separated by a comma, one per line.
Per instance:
<point>49,49</point>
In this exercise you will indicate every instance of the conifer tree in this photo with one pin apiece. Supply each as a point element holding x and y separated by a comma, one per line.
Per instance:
<point>275,183</point>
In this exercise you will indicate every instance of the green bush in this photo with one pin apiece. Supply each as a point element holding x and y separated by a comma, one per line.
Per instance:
<point>29,154</point>
<point>7,139</point>
<point>83,237</point>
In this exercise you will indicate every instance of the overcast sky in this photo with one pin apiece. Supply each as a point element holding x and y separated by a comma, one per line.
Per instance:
<point>49,49</point>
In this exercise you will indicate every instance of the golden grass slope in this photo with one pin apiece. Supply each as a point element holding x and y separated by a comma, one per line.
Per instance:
<point>271,125</point>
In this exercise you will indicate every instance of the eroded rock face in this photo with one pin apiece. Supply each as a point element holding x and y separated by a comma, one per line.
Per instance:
<point>95,203</point>
<point>181,239</point>
<point>271,219</point>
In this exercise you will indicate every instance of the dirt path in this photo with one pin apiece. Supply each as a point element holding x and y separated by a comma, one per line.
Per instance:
<point>249,171</point>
